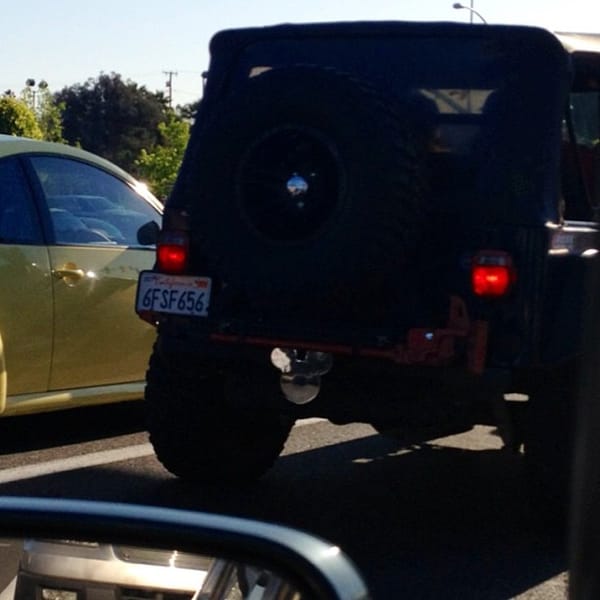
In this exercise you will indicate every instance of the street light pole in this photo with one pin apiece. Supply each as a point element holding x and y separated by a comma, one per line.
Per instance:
<point>471,10</point>
<point>30,83</point>
<point>34,95</point>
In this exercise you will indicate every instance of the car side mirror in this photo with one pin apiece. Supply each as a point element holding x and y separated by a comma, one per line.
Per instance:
<point>147,234</point>
<point>61,545</point>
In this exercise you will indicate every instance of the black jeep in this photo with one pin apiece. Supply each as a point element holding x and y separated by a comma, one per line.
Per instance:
<point>385,222</point>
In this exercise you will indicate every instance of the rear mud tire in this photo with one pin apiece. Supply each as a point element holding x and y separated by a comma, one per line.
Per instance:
<point>211,427</point>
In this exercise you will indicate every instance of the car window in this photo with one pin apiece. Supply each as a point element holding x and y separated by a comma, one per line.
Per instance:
<point>18,219</point>
<point>90,206</point>
<point>581,155</point>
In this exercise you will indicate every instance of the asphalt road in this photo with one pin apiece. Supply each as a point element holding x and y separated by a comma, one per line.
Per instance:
<point>446,519</point>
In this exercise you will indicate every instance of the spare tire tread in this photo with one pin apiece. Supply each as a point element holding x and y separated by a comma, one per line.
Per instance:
<point>381,212</point>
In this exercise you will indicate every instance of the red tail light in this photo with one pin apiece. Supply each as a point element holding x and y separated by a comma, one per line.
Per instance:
<point>492,274</point>
<point>172,252</point>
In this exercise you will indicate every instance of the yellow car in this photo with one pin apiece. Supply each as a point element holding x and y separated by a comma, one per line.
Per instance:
<point>69,264</point>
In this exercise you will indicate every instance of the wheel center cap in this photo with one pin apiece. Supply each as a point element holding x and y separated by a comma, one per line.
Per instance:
<point>297,186</point>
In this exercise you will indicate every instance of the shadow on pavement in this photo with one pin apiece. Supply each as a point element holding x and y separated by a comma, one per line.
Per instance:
<point>428,522</point>
<point>59,428</point>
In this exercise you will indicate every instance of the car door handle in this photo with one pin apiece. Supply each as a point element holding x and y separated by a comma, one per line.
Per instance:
<point>70,273</point>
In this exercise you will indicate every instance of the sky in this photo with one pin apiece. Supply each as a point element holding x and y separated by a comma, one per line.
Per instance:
<point>66,42</point>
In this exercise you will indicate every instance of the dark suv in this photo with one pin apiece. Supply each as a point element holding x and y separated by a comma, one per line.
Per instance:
<point>385,222</point>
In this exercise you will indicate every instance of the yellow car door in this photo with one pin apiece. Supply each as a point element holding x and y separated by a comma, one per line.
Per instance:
<point>98,339</point>
<point>26,310</point>
<point>95,259</point>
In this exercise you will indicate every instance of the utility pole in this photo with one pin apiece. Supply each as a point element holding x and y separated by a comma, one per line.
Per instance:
<point>169,84</point>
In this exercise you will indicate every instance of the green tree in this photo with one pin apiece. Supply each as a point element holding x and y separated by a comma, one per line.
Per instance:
<point>16,118</point>
<point>188,111</point>
<point>112,118</point>
<point>50,120</point>
<point>159,166</point>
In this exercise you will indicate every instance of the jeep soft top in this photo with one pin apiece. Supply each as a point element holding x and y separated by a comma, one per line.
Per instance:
<point>401,214</point>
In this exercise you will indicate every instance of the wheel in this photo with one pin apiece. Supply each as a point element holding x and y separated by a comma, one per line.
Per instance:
<point>548,440</point>
<point>417,428</point>
<point>211,427</point>
<point>316,176</point>
<point>424,409</point>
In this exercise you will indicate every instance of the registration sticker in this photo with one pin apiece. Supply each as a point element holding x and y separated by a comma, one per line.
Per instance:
<point>173,294</point>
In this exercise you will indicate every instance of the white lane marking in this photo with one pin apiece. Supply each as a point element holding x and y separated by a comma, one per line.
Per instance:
<point>8,593</point>
<point>93,459</point>
<point>75,462</point>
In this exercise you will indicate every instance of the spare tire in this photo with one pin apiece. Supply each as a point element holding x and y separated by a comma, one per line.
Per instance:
<point>306,179</point>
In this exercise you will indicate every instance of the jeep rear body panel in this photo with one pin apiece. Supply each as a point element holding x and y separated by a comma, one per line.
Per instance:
<point>499,93</point>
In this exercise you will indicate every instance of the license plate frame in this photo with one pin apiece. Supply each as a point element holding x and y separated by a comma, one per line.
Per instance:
<point>173,294</point>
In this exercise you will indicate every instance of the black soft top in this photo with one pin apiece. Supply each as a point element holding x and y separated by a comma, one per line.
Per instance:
<point>234,39</point>
<point>380,41</point>
<point>525,70</point>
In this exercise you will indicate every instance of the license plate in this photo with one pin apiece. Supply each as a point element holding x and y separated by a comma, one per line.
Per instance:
<point>173,294</point>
